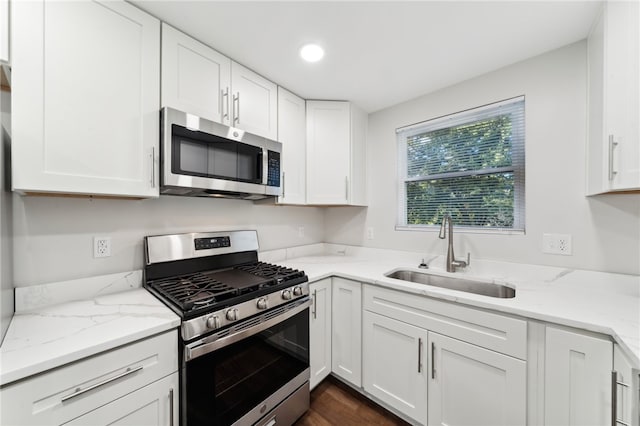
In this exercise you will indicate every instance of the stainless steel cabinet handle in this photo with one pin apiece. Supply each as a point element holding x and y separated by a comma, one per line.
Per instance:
<point>224,94</point>
<point>153,166</point>
<point>171,407</point>
<point>614,399</point>
<point>612,145</point>
<point>79,391</point>
<point>419,355</point>
<point>346,188</point>
<point>315,304</point>
<point>283,185</point>
<point>236,108</point>
<point>433,357</point>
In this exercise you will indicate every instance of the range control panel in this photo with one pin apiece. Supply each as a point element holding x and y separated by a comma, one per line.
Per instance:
<point>211,243</point>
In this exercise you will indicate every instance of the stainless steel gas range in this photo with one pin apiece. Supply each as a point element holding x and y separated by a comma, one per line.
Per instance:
<point>244,338</point>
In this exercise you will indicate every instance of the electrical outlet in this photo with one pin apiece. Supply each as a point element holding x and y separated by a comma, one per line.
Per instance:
<point>556,244</point>
<point>101,246</point>
<point>369,233</point>
<point>300,231</point>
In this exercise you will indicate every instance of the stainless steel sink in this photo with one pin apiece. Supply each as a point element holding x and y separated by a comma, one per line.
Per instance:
<point>460,284</point>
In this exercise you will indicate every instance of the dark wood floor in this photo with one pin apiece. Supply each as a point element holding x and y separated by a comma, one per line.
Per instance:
<point>334,403</point>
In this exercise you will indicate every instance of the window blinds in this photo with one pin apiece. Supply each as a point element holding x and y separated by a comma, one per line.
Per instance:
<point>469,165</point>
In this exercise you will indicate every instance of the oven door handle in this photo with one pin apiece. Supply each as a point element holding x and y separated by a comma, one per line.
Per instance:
<point>203,347</point>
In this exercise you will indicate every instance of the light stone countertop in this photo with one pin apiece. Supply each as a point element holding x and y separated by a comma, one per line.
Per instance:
<point>50,330</point>
<point>47,337</point>
<point>596,301</point>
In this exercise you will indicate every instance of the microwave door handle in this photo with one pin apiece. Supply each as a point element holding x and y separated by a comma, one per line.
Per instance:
<point>263,164</point>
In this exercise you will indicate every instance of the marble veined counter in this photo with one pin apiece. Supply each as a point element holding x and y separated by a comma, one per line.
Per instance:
<point>41,337</point>
<point>50,328</point>
<point>600,302</point>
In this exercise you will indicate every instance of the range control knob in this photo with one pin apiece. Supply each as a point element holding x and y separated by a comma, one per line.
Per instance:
<point>213,322</point>
<point>232,315</point>
<point>297,291</point>
<point>286,294</point>
<point>261,303</point>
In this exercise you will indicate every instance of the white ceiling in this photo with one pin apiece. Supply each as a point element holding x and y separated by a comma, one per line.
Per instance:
<point>378,54</point>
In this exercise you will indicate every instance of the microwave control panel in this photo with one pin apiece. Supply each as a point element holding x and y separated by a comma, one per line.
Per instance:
<point>273,168</point>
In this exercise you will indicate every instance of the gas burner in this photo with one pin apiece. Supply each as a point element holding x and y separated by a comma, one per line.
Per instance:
<point>268,270</point>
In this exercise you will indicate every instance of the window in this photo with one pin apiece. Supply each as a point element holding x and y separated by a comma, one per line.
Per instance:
<point>469,165</point>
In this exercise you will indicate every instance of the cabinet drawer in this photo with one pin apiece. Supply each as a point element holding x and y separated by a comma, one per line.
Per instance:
<point>65,393</point>
<point>492,331</point>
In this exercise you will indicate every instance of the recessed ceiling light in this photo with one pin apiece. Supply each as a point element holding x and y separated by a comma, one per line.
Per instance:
<point>311,52</point>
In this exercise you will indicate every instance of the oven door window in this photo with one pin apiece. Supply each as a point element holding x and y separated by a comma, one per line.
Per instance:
<point>200,154</point>
<point>225,384</point>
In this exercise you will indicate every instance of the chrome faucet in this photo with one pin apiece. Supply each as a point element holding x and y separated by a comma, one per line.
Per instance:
<point>452,263</point>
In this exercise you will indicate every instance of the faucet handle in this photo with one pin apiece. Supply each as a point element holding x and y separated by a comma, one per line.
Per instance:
<point>468,258</point>
<point>423,265</point>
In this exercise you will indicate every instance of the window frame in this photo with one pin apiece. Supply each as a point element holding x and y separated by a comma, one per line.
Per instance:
<point>451,120</point>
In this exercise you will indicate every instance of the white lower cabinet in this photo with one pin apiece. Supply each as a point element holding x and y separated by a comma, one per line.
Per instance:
<point>127,385</point>
<point>470,385</point>
<point>394,364</point>
<point>577,379</point>
<point>153,405</point>
<point>439,379</point>
<point>627,389</point>
<point>320,331</point>
<point>346,342</point>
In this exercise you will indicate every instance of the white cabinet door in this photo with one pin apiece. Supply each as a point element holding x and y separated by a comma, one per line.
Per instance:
<point>153,405</point>
<point>394,364</point>
<point>627,389</point>
<point>622,91</point>
<point>195,78</point>
<point>254,102</point>
<point>328,153</point>
<point>292,134</point>
<point>320,331</point>
<point>85,98</point>
<point>336,153</point>
<point>346,344</point>
<point>4,30</point>
<point>613,152</point>
<point>470,385</point>
<point>577,379</point>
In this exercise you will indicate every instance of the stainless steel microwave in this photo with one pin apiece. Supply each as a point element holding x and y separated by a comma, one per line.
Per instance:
<point>202,158</point>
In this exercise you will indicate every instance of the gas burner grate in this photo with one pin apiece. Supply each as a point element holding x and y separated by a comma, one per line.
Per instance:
<point>193,290</point>
<point>268,270</point>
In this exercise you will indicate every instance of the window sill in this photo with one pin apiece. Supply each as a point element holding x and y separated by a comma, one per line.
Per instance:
<point>461,230</point>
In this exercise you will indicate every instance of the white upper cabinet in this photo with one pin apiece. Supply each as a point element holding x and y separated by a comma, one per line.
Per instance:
<point>195,78</point>
<point>614,99</point>
<point>198,80</point>
<point>4,30</point>
<point>85,98</point>
<point>336,137</point>
<point>254,102</point>
<point>292,134</point>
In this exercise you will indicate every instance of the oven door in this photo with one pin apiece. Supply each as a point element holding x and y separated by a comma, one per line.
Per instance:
<point>241,374</point>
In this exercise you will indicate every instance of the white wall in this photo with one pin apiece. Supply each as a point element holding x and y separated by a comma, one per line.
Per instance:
<point>605,229</point>
<point>53,237</point>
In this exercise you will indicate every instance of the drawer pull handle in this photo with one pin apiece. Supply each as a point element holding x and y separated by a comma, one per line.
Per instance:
<point>171,407</point>
<point>79,391</point>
